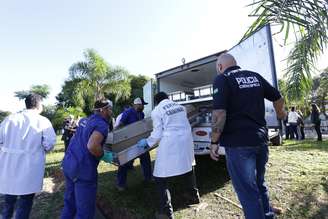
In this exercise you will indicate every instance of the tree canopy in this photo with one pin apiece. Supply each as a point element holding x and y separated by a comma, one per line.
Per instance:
<point>94,78</point>
<point>42,90</point>
<point>308,21</point>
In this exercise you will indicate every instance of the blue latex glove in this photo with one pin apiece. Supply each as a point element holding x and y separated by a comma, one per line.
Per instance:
<point>107,157</point>
<point>143,144</point>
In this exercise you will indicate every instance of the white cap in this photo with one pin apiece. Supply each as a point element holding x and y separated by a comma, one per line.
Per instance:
<point>137,101</point>
<point>110,103</point>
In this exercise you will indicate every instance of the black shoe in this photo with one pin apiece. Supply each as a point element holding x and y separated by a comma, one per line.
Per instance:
<point>192,198</point>
<point>163,216</point>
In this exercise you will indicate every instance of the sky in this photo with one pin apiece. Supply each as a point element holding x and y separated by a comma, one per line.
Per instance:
<point>40,40</point>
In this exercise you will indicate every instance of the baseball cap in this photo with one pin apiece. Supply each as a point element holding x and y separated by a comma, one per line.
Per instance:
<point>103,103</point>
<point>139,100</point>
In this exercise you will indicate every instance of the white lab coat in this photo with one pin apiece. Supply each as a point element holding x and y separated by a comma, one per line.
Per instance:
<point>171,128</point>
<point>24,139</point>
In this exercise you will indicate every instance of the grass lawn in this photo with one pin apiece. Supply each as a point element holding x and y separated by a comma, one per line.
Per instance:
<point>297,175</point>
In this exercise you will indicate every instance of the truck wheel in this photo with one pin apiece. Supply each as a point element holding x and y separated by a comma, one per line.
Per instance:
<point>276,140</point>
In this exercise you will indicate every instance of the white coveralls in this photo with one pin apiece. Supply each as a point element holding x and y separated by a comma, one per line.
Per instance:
<point>25,137</point>
<point>175,153</point>
<point>171,128</point>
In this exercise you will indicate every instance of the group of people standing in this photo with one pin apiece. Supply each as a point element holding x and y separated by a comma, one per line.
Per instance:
<point>238,125</point>
<point>26,137</point>
<point>294,123</point>
<point>174,157</point>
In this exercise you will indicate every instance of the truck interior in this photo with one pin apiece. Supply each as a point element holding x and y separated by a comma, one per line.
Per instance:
<point>191,82</point>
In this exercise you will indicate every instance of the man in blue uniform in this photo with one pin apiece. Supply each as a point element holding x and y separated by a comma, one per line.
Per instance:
<point>81,161</point>
<point>129,116</point>
<point>239,125</point>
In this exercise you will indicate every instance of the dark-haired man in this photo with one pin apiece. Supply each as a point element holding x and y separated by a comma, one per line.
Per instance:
<point>25,137</point>
<point>175,153</point>
<point>81,161</point>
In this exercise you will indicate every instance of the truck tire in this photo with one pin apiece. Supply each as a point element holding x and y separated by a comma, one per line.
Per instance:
<point>276,140</point>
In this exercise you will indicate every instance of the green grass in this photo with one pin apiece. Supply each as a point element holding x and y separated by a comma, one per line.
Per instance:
<point>297,175</point>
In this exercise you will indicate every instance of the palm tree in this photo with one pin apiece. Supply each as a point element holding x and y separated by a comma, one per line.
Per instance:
<point>308,20</point>
<point>42,90</point>
<point>99,79</point>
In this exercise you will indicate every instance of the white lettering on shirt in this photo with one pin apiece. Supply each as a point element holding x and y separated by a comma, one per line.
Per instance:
<point>172,108</point>
<point>247,82</point>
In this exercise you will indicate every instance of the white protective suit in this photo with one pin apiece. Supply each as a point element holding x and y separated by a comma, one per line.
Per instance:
<point>25,137</point>
<point>171,128</point>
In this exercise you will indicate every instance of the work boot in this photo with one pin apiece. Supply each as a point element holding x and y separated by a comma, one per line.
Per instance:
<point>192,198</point>
<point>163,216</point>
<point>276,210</point>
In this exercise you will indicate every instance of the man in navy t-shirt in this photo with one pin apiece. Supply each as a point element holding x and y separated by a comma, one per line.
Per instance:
<point>130,116</point>
<point>239,126</point>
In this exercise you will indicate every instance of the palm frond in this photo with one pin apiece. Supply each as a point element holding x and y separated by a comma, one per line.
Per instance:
<point>309,20</point>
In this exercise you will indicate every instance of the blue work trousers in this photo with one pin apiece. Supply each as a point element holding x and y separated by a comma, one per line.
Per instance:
<point>146,168</point>
<point>79,199</point>
<point>23,208</point>
<point>246,166</point>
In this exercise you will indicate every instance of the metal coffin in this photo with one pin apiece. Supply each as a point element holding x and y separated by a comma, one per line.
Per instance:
<point>130,153</point>
<point>125,137</point>
<point>123,141</point>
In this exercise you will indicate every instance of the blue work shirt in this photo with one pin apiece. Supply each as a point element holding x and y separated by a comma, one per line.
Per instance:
<point>241,93</point>
<point>131,115</point>
<point>78,162</point>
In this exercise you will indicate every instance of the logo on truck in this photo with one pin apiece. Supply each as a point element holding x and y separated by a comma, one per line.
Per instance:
<point>201,133</point>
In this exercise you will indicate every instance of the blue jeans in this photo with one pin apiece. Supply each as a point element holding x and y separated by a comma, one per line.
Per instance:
<point>79,199</point>
<point>246,166</point>
<point>123,170</point>
<point>24,206</point>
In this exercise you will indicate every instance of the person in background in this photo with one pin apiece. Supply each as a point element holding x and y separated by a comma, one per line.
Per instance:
<point>116,126</point>
<point>300,124</point>
<point>287,126</point>
<point>292,120</point>
<point>130,116</point>
<point>175,153</point>
<point>81,161</point>
<point>25,138</point>
<point>315,119</point>
<point>69,130</point>
<point>118,118</point>
<point>238,124</point>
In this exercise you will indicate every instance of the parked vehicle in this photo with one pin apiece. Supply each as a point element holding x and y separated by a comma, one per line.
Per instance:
<point>190,84</point>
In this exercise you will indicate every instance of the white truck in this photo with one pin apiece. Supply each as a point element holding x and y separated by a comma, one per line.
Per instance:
<point>190,84</point>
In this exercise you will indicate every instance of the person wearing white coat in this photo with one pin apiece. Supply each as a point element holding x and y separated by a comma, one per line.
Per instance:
<point>175,153</point>
<point>25,137</point>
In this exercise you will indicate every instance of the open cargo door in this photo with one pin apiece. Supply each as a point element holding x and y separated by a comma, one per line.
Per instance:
<point>256,54</point>
<point>148,95</point>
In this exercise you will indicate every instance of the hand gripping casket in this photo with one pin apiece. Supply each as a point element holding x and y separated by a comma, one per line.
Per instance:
<point>123,142</point>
